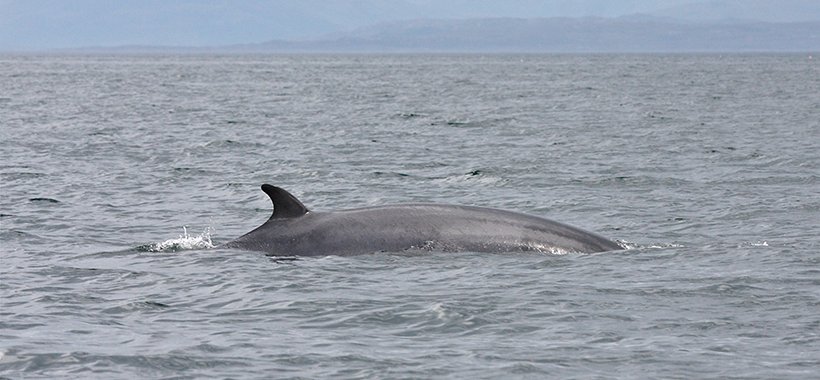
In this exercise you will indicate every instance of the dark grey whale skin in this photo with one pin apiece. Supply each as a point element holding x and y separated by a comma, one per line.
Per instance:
<point>293,230</point>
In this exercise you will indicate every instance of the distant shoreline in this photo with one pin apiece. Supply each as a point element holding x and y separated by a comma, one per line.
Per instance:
<point>517,36</point>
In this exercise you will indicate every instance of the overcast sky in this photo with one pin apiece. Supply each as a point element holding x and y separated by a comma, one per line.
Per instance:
<point>48,24</point>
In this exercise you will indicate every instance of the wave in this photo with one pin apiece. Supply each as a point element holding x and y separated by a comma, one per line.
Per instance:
<point>182,243</point>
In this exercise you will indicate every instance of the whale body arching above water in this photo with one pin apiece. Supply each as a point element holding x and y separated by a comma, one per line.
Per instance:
<point>293,230</point>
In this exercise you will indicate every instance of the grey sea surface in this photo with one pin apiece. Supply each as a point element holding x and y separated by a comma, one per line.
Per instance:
<point>121,175</point>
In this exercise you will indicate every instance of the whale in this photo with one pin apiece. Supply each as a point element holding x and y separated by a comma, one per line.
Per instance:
<point>294,230</point>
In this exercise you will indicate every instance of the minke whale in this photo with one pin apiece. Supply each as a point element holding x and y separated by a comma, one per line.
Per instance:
<point>293,230</point>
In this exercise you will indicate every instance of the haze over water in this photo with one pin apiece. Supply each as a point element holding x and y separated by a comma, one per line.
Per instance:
<point>705,165</point>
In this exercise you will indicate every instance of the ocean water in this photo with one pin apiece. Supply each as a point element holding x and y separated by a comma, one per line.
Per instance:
<point>121,175</point>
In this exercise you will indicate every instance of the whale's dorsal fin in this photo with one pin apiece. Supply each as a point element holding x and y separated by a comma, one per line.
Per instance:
<point>285,205</point>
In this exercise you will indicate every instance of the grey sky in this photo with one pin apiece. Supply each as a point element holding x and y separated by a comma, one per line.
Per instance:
<point>47,24</point>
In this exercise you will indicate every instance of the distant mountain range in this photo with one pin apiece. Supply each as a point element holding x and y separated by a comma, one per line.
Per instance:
<point>410,25</point>
<point>623,34</point>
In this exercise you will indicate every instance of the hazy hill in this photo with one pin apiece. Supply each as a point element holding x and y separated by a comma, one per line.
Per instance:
<point>625,34</point>
<point>50,24</point>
